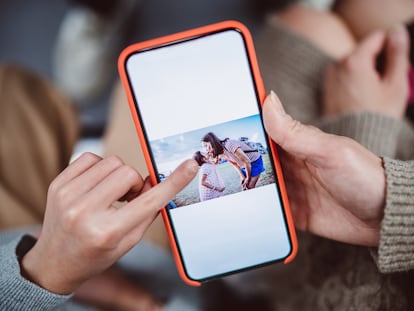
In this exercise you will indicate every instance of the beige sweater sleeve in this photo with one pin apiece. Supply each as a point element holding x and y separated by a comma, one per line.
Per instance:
<point>383,135</point>
<point>396,247</point>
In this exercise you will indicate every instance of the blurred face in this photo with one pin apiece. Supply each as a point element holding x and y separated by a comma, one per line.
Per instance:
<point>207,148</point>
<point>207,157</point>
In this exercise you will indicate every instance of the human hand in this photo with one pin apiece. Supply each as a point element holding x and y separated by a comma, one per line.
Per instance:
<point>336,187</point>
<point>83,232</point>
<point>244,183</point>
<point>355,85</point>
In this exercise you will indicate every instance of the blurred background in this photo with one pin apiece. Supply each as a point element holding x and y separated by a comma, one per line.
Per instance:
<point>31,34</point>
<point>77,49</point>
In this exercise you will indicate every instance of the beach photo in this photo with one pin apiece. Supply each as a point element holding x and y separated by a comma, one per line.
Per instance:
<point>233,157</point>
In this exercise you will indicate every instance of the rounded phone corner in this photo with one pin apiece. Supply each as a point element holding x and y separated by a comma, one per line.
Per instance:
<point>293,251</point>
<point>123,58</point>
<point>187,280</point>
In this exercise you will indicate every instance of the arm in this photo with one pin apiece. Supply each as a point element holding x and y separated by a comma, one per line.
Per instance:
<point>364,103</point>
<point>236,167</point>
<point>206,184</point>
<point>245,163</point>
<point>239,170</point>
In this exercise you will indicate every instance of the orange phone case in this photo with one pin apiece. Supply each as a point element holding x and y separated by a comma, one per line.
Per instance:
<point>262,94</point>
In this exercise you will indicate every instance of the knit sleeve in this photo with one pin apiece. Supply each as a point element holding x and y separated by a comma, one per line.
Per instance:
<point>293,67</point>
<point>378,133</point>
<point>16,292</point>
<point>396,246</point>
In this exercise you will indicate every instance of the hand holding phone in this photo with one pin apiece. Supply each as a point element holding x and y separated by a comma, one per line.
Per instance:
<point>198,94</point>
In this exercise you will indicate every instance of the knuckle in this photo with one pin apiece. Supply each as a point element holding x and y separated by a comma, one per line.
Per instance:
<point>71,217</point>
<point>131,174</point>
<point>151,200</point>
<point>53,187</point>
<point>101,238</point>
<point>286,136</point>
<point>295,127</point>
<point>114,160</point>
<point>350,64</point>
<point>89,156</point>
<point>348,150</point>
<point>60,194</point>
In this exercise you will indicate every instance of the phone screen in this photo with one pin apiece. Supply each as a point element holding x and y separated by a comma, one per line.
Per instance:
<point>184,91</point>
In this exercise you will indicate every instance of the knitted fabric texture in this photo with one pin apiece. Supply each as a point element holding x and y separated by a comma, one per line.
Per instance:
<point>16,292</point>
<point>328,275</point>
<point>396,246</point>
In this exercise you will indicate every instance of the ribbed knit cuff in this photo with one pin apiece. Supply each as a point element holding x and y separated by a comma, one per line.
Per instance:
<point>396,247</point>
<point>17,293</point>
<point>378,133</point>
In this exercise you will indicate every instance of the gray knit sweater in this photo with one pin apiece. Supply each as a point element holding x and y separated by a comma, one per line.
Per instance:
<point>17,293</point>
<point>396,248</point>
<point>328,275</point>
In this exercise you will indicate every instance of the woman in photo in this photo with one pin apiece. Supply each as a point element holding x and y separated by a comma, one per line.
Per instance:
<point>247,161</point>
<point>210,183</point>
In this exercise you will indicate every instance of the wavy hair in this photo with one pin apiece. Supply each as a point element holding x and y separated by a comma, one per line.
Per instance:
<point>215,142</point>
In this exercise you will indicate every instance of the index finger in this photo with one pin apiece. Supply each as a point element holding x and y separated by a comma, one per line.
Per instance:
<point>84,162</point>
<point>397,54</point>
<point>148,204</point>
<point>370,47</point>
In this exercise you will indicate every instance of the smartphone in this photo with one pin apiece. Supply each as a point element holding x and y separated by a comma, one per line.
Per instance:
<point>181,88</point>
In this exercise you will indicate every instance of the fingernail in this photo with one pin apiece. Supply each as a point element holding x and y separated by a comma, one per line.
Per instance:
<point>273,96</point>
<point>275,102</point>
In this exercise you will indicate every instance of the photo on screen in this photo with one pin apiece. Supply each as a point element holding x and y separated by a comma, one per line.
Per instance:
<point>221,172</point>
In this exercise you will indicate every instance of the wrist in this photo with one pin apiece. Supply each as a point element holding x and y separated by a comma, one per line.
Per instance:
<point>381,191</point>
<point>39,271</point>
<point>376,204</point>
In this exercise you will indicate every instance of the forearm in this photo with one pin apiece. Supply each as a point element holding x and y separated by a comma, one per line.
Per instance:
<point>208,185</point>
<point>16,292</point>
<point>238,169</point>
<point>248,169</point>
<point>396,247</point>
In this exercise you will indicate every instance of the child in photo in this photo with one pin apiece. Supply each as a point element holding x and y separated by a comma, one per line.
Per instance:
<point>210,183</point>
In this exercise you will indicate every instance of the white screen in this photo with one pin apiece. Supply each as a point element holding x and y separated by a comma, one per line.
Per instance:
<point>183,91</point>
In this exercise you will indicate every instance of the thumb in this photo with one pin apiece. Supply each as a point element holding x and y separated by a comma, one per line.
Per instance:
<point>397,49</point>
<point>298,139</point>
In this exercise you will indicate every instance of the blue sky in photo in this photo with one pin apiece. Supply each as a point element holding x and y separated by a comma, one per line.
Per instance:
<point>169,152</point>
